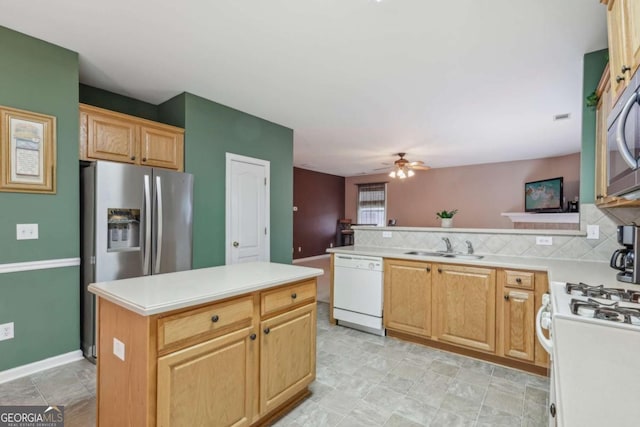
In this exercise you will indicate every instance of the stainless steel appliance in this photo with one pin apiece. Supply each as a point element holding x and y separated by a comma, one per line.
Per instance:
<point>357,292</point>
<point>136,221</point>
<point>624,259</point>
<point>594,345</point>
<point>623,143</point>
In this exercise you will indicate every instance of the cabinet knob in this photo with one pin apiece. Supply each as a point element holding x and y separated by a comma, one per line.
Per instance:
<point>599,196</point>
<point>518,280</point>
<point>266,331</point>
<point>215,318</point>
<point>294,295</point>
<point>133,157</point>
<point>439,270</point>
<point>144,159</point>
<point>253,337</point>
<point>506,297</point>
<point>428,269</point>
<point>625,68</point>
<point>619,79</point>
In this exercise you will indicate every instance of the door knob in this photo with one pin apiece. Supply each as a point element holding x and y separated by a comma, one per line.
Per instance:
<point>236,244</point>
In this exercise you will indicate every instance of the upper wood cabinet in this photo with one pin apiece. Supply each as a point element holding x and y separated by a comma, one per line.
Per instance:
<point>107,135</point>
<point>623,25</point>
<point>465,306</point>
<point>407,296</point>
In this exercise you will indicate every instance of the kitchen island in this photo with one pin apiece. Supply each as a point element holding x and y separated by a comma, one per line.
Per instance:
<point>228,345</point>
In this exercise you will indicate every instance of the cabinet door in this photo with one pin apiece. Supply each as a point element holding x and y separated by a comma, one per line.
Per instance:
<point>633,34</point>
<point>617,46</point>
<point>208,384</point>
<point>287,356</point>
<point>407,297</point>
<point>518,323</point>
<point>109,138</point>
<point>465,306</point>
<point>161,148</point>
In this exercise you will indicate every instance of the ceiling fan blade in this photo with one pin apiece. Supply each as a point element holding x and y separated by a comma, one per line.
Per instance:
<point>416,163</point>
<point>420,168</point>
<point>381,169</point>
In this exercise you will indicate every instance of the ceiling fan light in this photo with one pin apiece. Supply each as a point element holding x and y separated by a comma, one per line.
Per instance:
<point>410,173</point>
<point>401,174</point>
<point>392,174</point>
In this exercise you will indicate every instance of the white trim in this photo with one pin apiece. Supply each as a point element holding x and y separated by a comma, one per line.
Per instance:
<point>40,365</point>
<point>230,157</point>
<point>566,217</point>
<point>311,258</point>
<point>39,265</point>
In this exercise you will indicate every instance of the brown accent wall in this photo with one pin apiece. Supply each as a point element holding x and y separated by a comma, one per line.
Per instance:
<point>480,192</point>
<point>319,198</point>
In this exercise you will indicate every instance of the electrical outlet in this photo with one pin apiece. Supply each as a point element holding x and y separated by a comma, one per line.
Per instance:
<point>544,240</point>
<point>386,234</point>
<point>593,231</point>
<point>118,348</point>
<point>6,331</point>
<point>26,231</point>
<point>331,244</point>
<point>299,248</point>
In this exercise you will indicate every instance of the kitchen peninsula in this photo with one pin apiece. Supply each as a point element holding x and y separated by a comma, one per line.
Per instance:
<point>228,345</point>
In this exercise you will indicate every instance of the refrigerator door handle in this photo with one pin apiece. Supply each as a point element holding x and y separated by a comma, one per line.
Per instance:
<point>159,222</point>
<point>147,226</point>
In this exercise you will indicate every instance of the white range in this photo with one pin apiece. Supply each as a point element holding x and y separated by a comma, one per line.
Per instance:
<point>595,353</point>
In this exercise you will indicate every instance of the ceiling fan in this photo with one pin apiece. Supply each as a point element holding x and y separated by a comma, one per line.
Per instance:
<point>403,168</point>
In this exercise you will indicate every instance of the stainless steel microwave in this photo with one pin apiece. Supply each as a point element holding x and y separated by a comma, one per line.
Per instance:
<point>623,143</point>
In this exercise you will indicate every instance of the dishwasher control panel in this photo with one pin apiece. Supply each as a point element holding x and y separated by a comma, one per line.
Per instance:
<point>358,261</point>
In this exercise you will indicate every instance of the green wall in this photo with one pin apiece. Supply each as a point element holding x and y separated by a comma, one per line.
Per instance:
<point>120,103</point>
<point>212,130</point>
<point>593,66</point>
<point>44,305</point>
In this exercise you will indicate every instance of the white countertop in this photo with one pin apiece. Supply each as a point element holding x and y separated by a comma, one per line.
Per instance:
<point>161,293</point>
<point>590,272</point>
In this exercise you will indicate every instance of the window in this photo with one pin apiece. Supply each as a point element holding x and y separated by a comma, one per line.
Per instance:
<point>372,203</point>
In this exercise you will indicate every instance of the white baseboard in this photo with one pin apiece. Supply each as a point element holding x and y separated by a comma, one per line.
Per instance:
<point>311,258</point>
<point>40,365</point>
<point>39,265</point>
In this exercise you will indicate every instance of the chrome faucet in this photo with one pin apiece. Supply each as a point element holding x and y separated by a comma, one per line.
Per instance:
<point>448,243</point>
<point>469,247</point>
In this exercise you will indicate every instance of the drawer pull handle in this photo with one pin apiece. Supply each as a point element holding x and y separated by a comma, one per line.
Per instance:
<point>215,318</point>
<point>428,269</point>
<point>133,157</point>
<point>439,270</point>
<point>266,331</point>
<point>506,297</point>
<point>518,280</point>
<point>144,159</point>
<point>294,295</point>
<point>253,337</point>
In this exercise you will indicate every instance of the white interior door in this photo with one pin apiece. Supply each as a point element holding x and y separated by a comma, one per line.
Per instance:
<point>247,209</point>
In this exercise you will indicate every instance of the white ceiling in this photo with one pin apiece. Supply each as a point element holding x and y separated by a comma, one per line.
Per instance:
<point>448,82</point>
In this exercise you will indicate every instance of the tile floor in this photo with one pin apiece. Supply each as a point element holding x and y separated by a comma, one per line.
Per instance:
<point>362,380</point>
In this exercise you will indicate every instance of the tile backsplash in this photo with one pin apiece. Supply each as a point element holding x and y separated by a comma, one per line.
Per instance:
<point>509,242</point>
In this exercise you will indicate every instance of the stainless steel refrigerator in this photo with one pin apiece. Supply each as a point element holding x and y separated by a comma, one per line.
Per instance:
<point>136,221</point>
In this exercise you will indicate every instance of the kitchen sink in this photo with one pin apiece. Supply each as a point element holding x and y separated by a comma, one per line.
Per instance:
<point>445,254</point>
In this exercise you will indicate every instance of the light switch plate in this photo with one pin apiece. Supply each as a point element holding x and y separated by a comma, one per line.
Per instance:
<point>593,231</point>
<point>118,348</point>
<point>387,234</point>
<point>544,240</point>
<point>26,231</point>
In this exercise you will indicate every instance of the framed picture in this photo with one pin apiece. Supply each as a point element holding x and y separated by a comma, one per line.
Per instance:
<point>27,151</point>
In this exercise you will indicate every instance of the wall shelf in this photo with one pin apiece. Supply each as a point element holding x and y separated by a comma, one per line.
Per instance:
<point>557,218</point>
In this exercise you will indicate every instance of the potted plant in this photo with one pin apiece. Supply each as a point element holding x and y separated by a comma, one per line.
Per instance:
<point>446,217</point>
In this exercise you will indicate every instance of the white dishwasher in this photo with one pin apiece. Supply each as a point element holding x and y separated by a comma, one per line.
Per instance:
<point>357,292</point>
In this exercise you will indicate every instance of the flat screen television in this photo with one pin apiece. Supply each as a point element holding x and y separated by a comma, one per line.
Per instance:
<point>544,196</point>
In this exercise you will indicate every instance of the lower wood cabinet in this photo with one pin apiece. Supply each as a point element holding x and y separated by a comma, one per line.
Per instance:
<point>407,296</point>
<point>287,356</point>
<point>465,311</point>
<point>210,383</point>
<point>518,324</point>
<point>221,364</point>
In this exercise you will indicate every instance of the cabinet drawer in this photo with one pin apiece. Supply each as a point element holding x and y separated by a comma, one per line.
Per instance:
<point>204,322</point>
<point>279,299</point>
<point>520,279</point>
